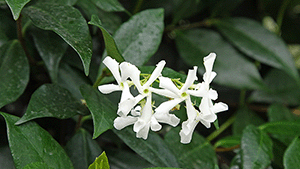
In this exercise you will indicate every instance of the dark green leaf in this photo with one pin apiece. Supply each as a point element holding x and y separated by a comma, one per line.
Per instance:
<point>291,128</point>
<point>102,110</point>
<point>161,168</point>
<point>29,143</point>
<point>291,157</point>
<point>101,162</point>
<point>6,160</point>
<point>224,7</point>
<point>281,88</point>
<point>3,37</point>
<point>51,100</point>
<point>14,72</point>
<point>37,165</point>
<point>256,148</point>
<point>71,78</point>
<point>184,9</point>
<point>154,149</point>
<point>63,2</point>
<point>245,117</point>
<point>139,38</point>
<point>68,23</point>
<point>111,48</point>
<point>232,67</point>
<point>16,7</point>
<point>279,112</point>
<point>198,154</point>
<point>109,5</point>
<point>82,149</point>
<point>251,38</point>
<point>228,141</point>
<point>51,48</point>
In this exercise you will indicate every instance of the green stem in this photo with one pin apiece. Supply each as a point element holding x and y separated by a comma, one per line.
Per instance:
<point>104,74</point>
<point>224,126</point>
<point>281,14</point>
<point>138,6</point>
<point>128,13</point>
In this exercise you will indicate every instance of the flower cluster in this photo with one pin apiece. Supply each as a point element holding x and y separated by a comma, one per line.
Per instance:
<point>138,110</point>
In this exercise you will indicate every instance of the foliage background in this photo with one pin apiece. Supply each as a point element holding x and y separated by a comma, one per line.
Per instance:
<point>50,59</point>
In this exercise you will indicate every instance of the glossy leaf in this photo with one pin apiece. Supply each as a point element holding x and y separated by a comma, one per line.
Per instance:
<point>256,148</point>
<point>154,149</point>
<point>110,45</point>
<point>6,160</point>
<point>101,162</point>
<point>291,157</point>
<point>29,143</point>
<point>291,128</point>
<point>82,149</point>
<point>14,72</point>
<point>51,100</point>
<point>244,118</point>
<point>231,66</point>
<point>63,2</point>
<point>16,7</point>
<point>251,38</point>
<point>188,155</point>
<point>139,38</point>
<point>68,23</point>
<point>51,49</point>
<point>228,141</point>
<point>102,110</point>
<point>109,5</point>
<point>36,165</point>
<point>184,9</point>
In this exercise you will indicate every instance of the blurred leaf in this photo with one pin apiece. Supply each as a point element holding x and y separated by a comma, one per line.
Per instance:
<point>51,48</point>
<point>3,37</point>
<point>257,42</point>
<point>63,2</point>
<point>245,117</point>
<point>109,5</point>
<point>82,149</point>
<point>224,7</point>
<point>278,152</point>
<point>291,157</point>
<point>188,155</point>
<point>16,7</point>
<point>282,127</point>
<point>51,100</point>
<point>6,160</point>
<point>36,165</point>
<point>256,148</point>
<point>228,141</point>
<point>68,23</point>
<point>102,110</point>
<point>161,168</point>
<point>139,38</point>
<point>101,162</point>
<point>279,112</point>
<point>154,149</point>
<point>110,45</point>
<point>14,72</point>
<point>232,67</point>
<point>184,9</point>
<point>71,78</point>
<point>122,159</point>
<point>29,143</point>
<point>281,88</point>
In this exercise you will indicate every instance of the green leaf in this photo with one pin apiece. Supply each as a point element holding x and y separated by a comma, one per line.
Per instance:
<point>102,110</point>
<point>228,141</point>
<point>68,23</point>
<point>188,155</point>
<point>51,48</point>
<point>51,100</point>
<point>3,37</point>
<point>6,160</point>
<point>63,2</point>
<point>109,5</point>
<point>279,112</point>
<point>14,72</point>
<point>111,48</point>
<point>154,149</point>
<point>161,168</point>
<point>101,162</point>
<point>36,165</point>
<point>245,117</point>
<point>29,143</point>
<point>232,67</point>
<point>16,7</point>
<point>184,9</point>
<point>291,157</point>
<point>139,38</point>
<point>82,149</point>
<point>291,128</point>
<point>256,148</point>
<point>224,7</point>
<point>281,88</point>
<point>257,42</point>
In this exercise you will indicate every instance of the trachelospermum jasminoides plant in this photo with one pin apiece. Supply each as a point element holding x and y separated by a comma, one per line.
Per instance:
<point>138,110</point>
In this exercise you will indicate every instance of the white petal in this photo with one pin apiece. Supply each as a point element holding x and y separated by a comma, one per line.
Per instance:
<point>190,109</point>
<point>219,107</point>
<point>209,62</point>
<point>108,88</point>
<point>143,133</point>
<point>155,126</point>
<point>165,107</point>
<point>209,118</point>
<point>147,110</point>
<point>163,92</point>
<point>166,83</point>
<point>157,72</point>
<point>205,106</point>
<point>136,111</point>
<point>130,70</point>
<point>186,132</point>
<point>113,66</point>
<point>126,93</point>
<point>200,92</point>
<point>191,77</point>
<point>126,105</point>
<point>121,122</point>
<point>138,125</point>
<point>212,94</point>
<point>209,77</point>
<point>205,123</point>
<point>167,118</point>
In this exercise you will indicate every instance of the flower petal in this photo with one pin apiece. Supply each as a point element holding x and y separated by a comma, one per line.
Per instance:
<point>212,94</point>
<point>208,77</point>
<point>167,118</point>
<point>165,107</point>
<point>113,66</point>
<point>108,88</point>
<point>126,105</point>
<point>143,132</point>
<point>219,107</point>
<point>157,72</point>
<point>130,70</point>
<point>191,77</point>
<point>190,109</point>
<point>155,126</point>
<point>163,92</point>
<point>166,83</point>
<point>187,131</point>
<point>126,92</point>
<point>122,122</point>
